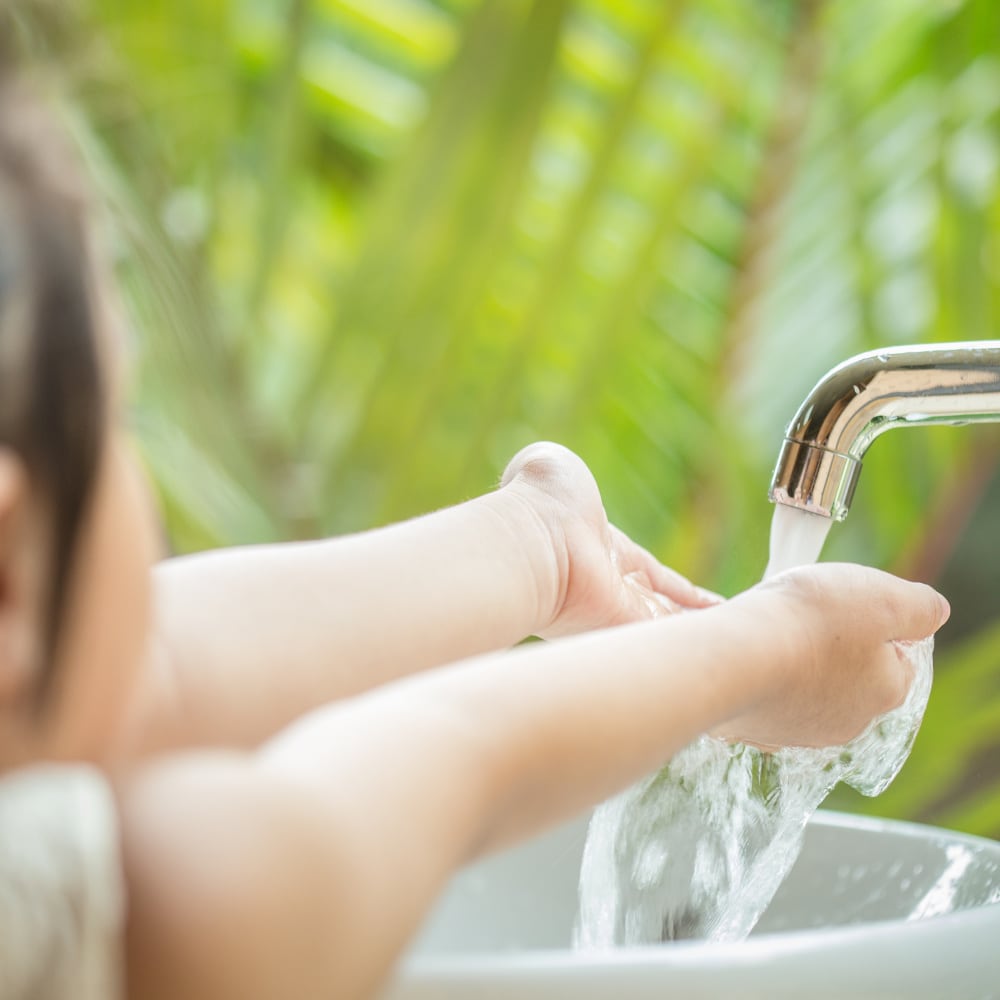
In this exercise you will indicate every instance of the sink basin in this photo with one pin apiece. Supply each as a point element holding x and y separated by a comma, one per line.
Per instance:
<point>872,908</point>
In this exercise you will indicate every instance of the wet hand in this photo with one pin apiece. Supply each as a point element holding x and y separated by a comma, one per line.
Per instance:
<point>593,575</point>
<point>839,633</point>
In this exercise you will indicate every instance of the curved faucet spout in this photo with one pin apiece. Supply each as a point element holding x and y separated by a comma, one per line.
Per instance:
<point>868,394</point>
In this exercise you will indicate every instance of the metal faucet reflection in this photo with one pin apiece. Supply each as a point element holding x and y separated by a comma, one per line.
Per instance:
<point>820,460</point>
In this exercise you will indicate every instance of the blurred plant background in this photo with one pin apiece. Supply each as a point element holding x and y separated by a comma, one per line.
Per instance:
<point>372,247</point>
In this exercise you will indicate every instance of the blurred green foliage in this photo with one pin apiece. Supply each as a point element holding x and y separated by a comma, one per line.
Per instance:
<point>371,247</point>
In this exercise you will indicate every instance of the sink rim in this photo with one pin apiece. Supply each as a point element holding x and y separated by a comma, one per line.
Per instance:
<point>781,945</point>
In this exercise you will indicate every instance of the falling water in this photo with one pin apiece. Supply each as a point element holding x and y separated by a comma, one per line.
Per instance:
<point>699,849</point>
<point>797,538</point>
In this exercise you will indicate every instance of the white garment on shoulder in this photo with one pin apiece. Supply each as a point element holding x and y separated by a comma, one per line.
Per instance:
<point>62,899</point>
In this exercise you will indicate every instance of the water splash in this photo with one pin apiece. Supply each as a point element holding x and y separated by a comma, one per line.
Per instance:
<point>699,849</point>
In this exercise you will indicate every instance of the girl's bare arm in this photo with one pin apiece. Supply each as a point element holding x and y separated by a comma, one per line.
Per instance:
<point>249,639</point>
<point>303,869</point>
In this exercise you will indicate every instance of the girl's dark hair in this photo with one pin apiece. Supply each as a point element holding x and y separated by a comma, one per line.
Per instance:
<point>52,398</point>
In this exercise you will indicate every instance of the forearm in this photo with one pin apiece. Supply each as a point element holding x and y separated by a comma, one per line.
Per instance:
<point>249,639</point>
<point>424,777</point>
<point>548,728</point>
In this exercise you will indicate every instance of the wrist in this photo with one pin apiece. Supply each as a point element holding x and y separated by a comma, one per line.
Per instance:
<point>534,537</point>
<point>775,628</point>
<point>770,631</point>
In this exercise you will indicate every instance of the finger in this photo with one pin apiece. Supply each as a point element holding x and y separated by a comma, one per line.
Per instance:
<point>675,586</point>
<point>896,609</point>
<point>917,611</point>
<point>900,609</point>
<point>662,579</point>
<point>638,601</point>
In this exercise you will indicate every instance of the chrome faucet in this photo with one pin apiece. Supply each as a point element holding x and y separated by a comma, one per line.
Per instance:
<point>871,393</point>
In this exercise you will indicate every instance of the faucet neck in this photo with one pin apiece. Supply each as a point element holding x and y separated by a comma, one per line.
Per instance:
<point>869,394</point>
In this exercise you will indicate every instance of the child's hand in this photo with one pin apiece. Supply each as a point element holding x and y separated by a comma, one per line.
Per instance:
<point>599,576</point>
<point>836,631</point>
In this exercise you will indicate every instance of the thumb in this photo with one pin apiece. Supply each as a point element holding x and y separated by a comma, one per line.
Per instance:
<point>917,611</point>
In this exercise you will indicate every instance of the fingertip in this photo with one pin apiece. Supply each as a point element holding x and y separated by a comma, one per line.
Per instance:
<point>934,612</point>
<point>709,598</point>
<point>944,608</point>
<point>668,606</point>
<point>677,587</point>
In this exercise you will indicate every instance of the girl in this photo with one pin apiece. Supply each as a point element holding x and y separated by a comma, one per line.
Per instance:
<point>247,774</point>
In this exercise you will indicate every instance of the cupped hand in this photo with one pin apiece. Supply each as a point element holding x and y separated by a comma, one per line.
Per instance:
<point>839,633</point>
<point>597,575</point>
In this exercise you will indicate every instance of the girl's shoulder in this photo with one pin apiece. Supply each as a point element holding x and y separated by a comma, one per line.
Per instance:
<point>61,887</point>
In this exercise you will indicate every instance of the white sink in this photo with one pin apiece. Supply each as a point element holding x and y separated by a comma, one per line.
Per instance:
<point>873,908</point>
